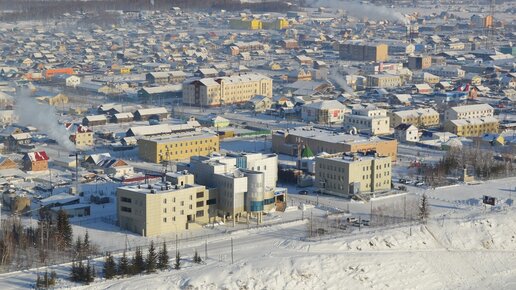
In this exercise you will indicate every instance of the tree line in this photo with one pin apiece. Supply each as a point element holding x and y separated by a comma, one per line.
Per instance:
<point>153,261</point>
<point>51,241</point>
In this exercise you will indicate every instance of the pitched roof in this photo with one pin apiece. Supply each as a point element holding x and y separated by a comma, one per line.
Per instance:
<point>37,156</point>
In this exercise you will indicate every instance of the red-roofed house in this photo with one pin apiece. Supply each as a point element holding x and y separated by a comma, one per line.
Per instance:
<point>35,161</point>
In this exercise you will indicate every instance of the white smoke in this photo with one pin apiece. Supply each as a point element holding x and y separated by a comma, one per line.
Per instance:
<point>152,2</point>
<point>360,10</point>
<point>43,117</point>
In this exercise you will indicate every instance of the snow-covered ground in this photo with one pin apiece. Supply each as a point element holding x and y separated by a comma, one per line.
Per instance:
<point>463,246</point>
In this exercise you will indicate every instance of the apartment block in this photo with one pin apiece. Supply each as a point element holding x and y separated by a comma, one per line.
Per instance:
<point>468,111</point>
<point>370,121</point>
<point>418,62</point>
<point>473,127</point>
<point>226,90</point>
<point>345,174</point>
<point>383,81</point>
<point>420,117</point>
<point>362,51</point>
<point>177,147</point>
<point>446,71</point>
<point>291,142</point>
<point>324,112</point>
<point>165,207</point>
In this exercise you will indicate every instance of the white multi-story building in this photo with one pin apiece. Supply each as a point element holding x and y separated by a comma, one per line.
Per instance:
<point>468,112</point>
<point>446,71</point>
<point>370,120</point>
<point>220,91</point>
<point>246,182</point>
<point>324,112</point>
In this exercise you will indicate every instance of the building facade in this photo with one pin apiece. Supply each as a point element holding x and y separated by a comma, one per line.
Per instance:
<point>324,112</point>
<point>226,90</point>
<point>473,127</point>
<point>177,147</point>
<point>468,111</point>
<point>421,118</point>
<point>161,208</point>
<point>361,51</point>
<point>347,174</point>
<point>291,142</point>
<point>371,121</point>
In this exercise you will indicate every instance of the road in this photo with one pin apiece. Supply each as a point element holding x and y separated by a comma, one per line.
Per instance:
<point>245,243</point>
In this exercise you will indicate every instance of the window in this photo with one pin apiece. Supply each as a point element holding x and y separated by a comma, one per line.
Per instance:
<point>164,220</point>
<point>200,194</point>
<point>126,199</point>
<point>165,201</point>
<point>125,209</point>
<point>165,210</point>
<point>182,203</point>
<point>199,213</point>
<point>200,204</point>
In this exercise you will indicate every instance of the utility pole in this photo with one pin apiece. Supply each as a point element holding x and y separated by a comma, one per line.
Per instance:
<point>232,260</point>
<point>206,250</point>
<point>404,207</point>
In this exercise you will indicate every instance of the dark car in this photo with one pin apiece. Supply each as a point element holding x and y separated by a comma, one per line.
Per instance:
<point>303,192</point>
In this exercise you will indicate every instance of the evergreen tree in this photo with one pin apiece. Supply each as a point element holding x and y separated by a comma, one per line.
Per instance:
<point>89,273</point>
<point>74,272</point>
<point>64,230</point>
<point>197,259</point>
<point>78,272</point>
<point>163,258</point>
<point>78,249</point>
<point>424,210</point>
<point>109,266</point>
<point>150,262</point>
<point>123,265</point>
<point>177,264</point>
<point>138,264</point>
<point>86,245</point>
<point>47,281</point>
<point>53,278</point>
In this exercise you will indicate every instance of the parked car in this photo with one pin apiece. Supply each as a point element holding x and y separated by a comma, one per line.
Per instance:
<point>303,192</point>
<point>352,219</point>
<point>419,183</point>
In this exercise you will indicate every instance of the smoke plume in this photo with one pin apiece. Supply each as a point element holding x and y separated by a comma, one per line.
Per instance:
<point>360,10</point>
<point>43,117</point>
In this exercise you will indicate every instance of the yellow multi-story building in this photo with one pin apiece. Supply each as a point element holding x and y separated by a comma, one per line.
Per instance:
<point>473,127</point>
<point>161,208</point>
<point>226,90</point>
<point>245,23</point>
<point>177,147</point>
<point>346,174</point>
<point>277,24</point>
<point>421,118</point>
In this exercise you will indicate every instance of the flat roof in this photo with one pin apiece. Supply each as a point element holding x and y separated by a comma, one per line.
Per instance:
<point>180,137</point>
<point>330,136</point>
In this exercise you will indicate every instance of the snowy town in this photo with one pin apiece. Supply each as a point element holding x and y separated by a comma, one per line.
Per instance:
<point>318,144</point>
